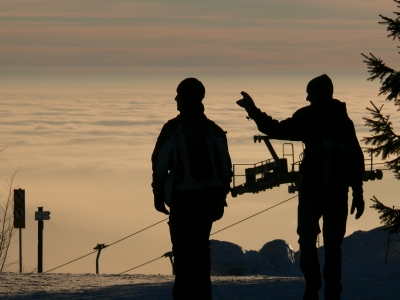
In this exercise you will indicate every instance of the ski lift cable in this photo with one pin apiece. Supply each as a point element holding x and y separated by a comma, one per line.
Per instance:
<point>142,264</point>
<point>245,219</point>
<point>271,207</point>
<point>108,245</point>
<point>71,261</point>
<point>137,232</point>
<point>159,223</point>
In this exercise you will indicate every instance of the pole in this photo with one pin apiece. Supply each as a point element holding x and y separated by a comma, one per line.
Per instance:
<point>97,261</point>
<point>20,250</point>
<point>172,264</point>
<point>99,247</point>
<point>171,255</point>
<point>387,248</point>
<point>40,243</point>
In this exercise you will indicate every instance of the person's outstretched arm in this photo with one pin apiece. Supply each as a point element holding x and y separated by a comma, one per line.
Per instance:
<point>289,129</point>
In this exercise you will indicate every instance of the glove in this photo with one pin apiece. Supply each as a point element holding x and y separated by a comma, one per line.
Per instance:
<point>218,208</point>
<point>247,103</point>
<point>357,203</point>
<point>159,205</point>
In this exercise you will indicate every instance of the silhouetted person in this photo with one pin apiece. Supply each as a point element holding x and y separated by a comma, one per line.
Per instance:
<point>333,161</point>
<point>192,175</point>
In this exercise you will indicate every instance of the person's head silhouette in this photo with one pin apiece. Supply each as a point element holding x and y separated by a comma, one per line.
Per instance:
<point>319,88</point>
<point>190,92</point>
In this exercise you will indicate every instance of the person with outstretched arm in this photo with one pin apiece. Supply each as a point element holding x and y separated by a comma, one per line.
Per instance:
<point>333,161</point>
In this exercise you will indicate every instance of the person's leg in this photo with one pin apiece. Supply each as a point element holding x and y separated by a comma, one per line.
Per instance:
<point>190,230</point>
<point>334,229</point>
<point>308,230</point>
<point>201,261</point>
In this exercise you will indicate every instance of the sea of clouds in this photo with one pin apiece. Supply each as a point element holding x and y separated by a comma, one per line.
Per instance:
<point>84,155</point>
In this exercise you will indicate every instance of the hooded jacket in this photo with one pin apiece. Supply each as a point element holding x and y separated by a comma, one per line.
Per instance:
<point>320,124</point>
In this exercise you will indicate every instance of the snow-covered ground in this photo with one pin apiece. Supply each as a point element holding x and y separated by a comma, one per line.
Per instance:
<point>159,287</point>
<point>272,273</point>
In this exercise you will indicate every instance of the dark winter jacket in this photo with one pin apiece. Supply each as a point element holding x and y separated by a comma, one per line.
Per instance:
<point>321,123</point>
<point>198,156</point>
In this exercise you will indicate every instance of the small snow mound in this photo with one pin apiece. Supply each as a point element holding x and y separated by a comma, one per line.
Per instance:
<point>364,252</point>
<point>279,253</point>
<point>228,259</point>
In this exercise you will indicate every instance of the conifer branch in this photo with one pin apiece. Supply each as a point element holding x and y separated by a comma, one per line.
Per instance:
<point>393,26</point>
<point>389,216</point>
<point>389,78</point>
<point>384,140</point>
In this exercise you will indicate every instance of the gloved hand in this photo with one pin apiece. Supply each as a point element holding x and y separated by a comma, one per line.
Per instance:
<point>247,103</point>
<point>359,204</point>
<point>160,205</point>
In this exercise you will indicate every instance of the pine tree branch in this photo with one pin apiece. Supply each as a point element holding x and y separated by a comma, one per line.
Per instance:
<point>389,78</point>
<point>384,140</point>
<point>393,26</point>
<point>389,216</point>
<point>376,67</point>
<point>383,135</point>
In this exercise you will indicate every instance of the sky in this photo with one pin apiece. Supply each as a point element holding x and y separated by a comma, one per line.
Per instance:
<point>124,43</point>
<point>87,85</point>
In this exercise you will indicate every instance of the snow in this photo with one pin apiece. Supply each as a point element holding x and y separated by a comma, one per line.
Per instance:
<point>363,252</point>
<point>270,273</point>
<point>275,258</point>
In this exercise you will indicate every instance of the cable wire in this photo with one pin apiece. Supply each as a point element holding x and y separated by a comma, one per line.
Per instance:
<point>71,261</point>
<point>142,264</point>
<point>108,245</point>
<point>253,215</point>
<point>137,232</point>
<point>260,212</point>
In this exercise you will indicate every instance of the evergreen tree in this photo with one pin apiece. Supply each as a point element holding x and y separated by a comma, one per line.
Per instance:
<point>385,141</point>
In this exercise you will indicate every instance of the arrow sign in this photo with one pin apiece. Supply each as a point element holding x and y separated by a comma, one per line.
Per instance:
<point>42,215</point>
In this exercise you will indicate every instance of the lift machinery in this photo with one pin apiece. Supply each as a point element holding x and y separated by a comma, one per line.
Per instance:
<point>275,171</point>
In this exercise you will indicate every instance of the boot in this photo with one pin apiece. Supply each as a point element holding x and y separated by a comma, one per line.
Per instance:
<point>312,288</point>
<point>310,294</point>
<point>332,290</point>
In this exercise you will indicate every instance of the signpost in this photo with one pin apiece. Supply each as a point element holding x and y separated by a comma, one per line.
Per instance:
<point>40,216</point>
<point>19,218</point>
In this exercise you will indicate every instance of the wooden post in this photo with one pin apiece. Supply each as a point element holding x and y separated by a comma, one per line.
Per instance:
<point>40,243</point>
<point>19,218</point>
<point>40,216</point>
<point>20,250</point>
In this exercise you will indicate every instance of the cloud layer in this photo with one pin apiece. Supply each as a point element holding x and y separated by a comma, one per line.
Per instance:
<point>171,36</point>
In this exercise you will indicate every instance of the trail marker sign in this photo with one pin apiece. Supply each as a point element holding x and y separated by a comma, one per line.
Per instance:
<point>42,215</point>
<point>19,208</point>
